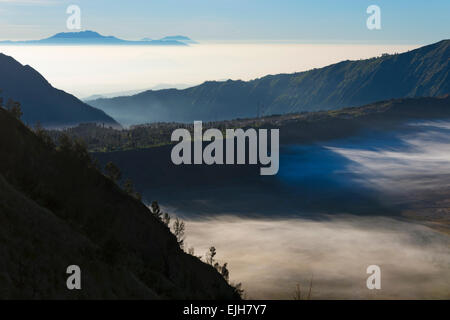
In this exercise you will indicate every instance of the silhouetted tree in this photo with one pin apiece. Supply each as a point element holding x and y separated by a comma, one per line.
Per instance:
<point>298,291</point>
<point>238,291</point>
<point>224,271</point>
<point>113,172</point>
<point>156,210</point>
<point>210,255</point>
<point>166,218</point>
<point>178,231</point>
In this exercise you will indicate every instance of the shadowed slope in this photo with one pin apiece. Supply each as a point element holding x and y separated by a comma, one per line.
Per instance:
<point>57,210</point>
<point>42,102</point>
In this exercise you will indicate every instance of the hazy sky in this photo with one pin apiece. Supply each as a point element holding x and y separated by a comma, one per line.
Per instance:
<point>403,21</point>
<point>88,70</point>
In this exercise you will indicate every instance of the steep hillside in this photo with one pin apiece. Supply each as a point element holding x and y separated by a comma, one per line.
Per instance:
<point>57,209</point>
<point>42,102</point>
<point>421,72</point>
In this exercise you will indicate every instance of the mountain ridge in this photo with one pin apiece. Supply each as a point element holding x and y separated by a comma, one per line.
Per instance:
<point>420,72</point>
<point>41,102</point>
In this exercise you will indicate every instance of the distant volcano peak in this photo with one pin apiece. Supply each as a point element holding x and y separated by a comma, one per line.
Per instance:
<point>80,34</point>
<point>89,37</point>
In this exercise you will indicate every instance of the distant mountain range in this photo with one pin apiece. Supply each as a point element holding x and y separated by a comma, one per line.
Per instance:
<point>179,38</point>
<point>173,38</point>
<point>420,72</point>
<point>42,102</point>
<point>159,86</point>
<point>94,38</point>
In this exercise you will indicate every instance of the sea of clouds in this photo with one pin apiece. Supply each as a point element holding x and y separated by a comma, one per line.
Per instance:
<point>271,256</point>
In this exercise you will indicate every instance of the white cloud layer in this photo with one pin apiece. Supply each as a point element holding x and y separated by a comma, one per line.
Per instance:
<point>271,256</point>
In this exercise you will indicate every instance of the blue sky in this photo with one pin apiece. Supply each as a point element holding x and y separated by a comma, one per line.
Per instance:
<point>322,21</point>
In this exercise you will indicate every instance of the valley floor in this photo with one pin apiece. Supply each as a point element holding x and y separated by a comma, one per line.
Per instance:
<point>336,207</point>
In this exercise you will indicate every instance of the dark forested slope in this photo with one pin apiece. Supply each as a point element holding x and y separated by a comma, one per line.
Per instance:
<point>57,209</point>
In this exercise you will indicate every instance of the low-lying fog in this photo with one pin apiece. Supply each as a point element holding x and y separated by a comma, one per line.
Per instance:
<point>375,173</point>
<point>271,254</point>
<point>423,163</point>
<point>333,209</point>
